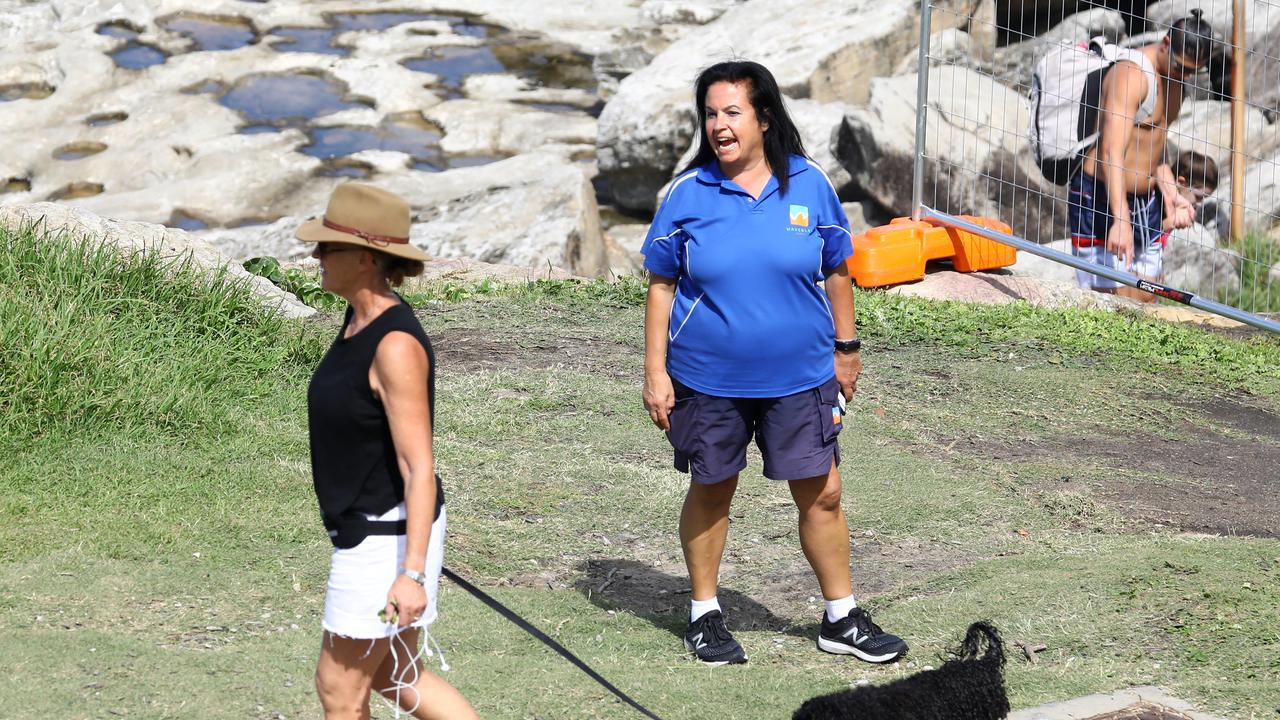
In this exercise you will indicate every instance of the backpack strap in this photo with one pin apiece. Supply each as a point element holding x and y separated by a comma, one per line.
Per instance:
<point>1115,54</point>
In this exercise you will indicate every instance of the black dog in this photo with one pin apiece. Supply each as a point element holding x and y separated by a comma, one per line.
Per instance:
<point>968,688</point>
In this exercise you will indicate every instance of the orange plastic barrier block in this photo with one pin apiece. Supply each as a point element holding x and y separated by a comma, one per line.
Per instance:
<point>974,252</point>
<point>897,252</point>
<point>888,254</point>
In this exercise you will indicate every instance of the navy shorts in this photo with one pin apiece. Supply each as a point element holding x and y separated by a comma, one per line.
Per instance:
<point>796,433</point>
<point>1089,219</point>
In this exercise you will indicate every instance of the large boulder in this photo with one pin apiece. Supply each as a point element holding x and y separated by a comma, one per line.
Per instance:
<point>532,210</point>
<point>1263,79</point>
<point>138,237</point>
<point>971,43</point>
<point>694,12</point>
<point>952,46</point>
<point>1261,189</point>
<point>648,124</point>
<point>633,46</point>
<point>983,25</point>
<point>535,210</point>
<point>976,159</point>
<point>1194,262</point>
<point>1014,63</point>
<point>1204,126</point>
<point>1032,265</point>
<point>487,127</point>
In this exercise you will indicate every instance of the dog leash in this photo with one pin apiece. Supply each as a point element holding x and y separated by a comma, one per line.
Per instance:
<point>523,624</point>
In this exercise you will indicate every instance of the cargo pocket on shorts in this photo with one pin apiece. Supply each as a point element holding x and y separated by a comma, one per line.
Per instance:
<point>832,419</point>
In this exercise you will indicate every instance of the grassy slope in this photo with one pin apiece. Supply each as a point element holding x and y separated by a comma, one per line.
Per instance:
<point>156,563</point>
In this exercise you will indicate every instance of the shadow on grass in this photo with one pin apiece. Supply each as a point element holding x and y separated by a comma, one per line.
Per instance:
<point>662,599</point>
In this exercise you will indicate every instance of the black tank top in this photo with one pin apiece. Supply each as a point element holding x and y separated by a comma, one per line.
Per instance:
<point>353,458</point>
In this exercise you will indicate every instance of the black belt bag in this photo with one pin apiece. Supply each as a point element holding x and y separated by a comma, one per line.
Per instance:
<point>349,530</point>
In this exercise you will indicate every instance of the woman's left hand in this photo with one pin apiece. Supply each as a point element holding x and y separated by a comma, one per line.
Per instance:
<point>407,599</point>
<point>848,368</point>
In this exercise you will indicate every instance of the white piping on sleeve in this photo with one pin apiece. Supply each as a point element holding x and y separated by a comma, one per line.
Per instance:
<point>818,167</point>
<point>827,305</point>
<point>688,268</point>
<point>672,337</point>
<point>664,237</point>
<point>676,183</point>
<point>688,271</point>
<point>831,185</point>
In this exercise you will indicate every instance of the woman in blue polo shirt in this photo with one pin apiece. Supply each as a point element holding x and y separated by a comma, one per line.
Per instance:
<point>742,341</point>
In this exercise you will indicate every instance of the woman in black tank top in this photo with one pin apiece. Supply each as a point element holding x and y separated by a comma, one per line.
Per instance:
<point>370,410</point>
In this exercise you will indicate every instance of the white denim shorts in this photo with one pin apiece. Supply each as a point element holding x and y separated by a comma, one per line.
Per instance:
<point>360,578</point>
<point>1148,263</point>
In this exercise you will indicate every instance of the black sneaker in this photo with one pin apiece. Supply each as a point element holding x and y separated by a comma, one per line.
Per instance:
<point>856,635</point>
<point>710,641</point>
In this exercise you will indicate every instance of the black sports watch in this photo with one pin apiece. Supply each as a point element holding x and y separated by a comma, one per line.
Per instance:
<point>849,346</point>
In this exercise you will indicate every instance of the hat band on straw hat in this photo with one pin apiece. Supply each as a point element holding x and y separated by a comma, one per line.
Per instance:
<point>367,237</point>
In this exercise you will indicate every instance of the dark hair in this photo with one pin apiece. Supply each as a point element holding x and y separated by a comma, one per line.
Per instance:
<point>1192,37</point>
<point>395,268</point>
<point>1200,171</point>
<point>781,140</point>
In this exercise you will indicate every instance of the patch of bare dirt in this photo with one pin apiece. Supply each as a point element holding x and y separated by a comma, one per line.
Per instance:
<point>465,350</point>
<point>1240,414</point>
<point>1206,481</point>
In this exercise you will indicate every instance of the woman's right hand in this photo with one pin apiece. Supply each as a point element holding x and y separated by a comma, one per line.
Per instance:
<point>406,601</point>
<point>659,398</point>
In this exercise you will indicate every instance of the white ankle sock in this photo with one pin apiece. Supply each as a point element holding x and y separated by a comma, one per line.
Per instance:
<point>839,609</point>
<point>698,608</point>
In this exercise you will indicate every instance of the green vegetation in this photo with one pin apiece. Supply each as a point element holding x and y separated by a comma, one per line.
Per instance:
<point>160,552</point>
<point>295,280</point>
<point>95,342</point>
<point>1257,292</point>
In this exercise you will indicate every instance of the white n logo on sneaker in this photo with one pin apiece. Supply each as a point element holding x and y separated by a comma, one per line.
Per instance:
<point>697,642</point>
<point>852,634</point>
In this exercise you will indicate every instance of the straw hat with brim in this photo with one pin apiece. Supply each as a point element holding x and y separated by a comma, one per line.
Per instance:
<point>367,217</point>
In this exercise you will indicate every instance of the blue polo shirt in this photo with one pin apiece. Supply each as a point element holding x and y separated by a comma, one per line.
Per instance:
<point>749,319</point>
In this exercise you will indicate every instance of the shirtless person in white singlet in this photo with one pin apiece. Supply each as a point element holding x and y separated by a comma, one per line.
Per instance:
<point>1125,190</point>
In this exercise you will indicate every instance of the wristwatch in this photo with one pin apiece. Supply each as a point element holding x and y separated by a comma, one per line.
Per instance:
<point>415,576</point>
<point>849,346</point>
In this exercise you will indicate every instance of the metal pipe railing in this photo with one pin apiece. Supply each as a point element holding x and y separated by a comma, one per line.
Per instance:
<point>1186,298</point>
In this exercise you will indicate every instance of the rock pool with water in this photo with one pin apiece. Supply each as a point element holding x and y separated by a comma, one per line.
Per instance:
<point>212,33</point>
<point>287,100</point>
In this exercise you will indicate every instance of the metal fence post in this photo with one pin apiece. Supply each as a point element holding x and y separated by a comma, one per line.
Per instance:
<point>922,104</point>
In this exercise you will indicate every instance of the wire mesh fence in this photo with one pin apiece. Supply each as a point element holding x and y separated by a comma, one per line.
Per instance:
<point>1067,119</point>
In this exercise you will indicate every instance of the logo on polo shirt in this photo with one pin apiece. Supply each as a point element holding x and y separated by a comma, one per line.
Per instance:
<point>800,215</point>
